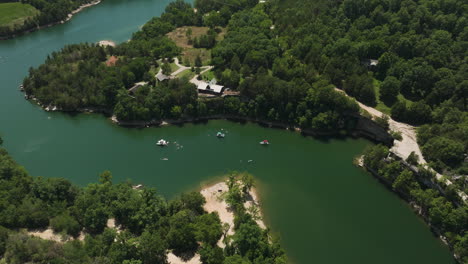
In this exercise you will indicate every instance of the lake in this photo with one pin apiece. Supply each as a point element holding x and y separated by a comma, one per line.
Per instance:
<point>324,209</point>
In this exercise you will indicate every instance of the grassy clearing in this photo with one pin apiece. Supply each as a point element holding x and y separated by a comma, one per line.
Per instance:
<point>189,56</point>
<point>189,53</point>
<point>188,74</point>
<point>209,75</point>
<point>179,35</point>
<point>174,67</point>
<point>154,70</point>
<point>15,13</point>
<point>381,106</point>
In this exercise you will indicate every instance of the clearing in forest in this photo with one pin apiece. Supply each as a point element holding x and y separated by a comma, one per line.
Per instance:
<point>185,41</point>
<point>15,13</point>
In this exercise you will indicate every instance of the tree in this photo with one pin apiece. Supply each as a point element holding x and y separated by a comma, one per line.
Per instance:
<point>188,33</point>
<point>235,63</point>
<point>65,223</point>
<point>461,246</point>
<point>181,235</point>
<point>211,255</point>
<point>439,211</point>
<point>413,158</point>
<point>95,219</point>
<point>193,201</point>
<point>212,19</point>
<point>4,234</point>
<point>374,155</point>
<point>176,112</point>
<point>247,182</point>
<point>424,197</point>
<point>383,121</point>
<point>166,68</point>
<point>152,248</point>
<point>236,259</point>
<point>208,229</point>
<point>419,113</point>
<point>105,177</point>
<point>448,151</point>
<point>198,61</point>
<point>399,111</point>
<point>389,90</point>
<point>405,182</point>
<point>247,239</point>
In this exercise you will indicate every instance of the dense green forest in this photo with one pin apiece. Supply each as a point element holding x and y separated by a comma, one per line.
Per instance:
<point>150,226</point>
<point>50,11</point>
<point>444,212</point>
<point>78,77</point>
<point>422,71</point>
<point>285,58</point>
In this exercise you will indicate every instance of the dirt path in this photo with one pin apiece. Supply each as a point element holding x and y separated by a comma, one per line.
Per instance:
<point>408,144</point>
<point>215,203</point>
<point>181,67</point>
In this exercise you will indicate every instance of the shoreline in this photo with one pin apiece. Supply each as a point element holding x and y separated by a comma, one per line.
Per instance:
<point>365,127</point>
<point>69,16</point>
<point>215,202</point>
<point>413,205</point>
<point>105,43</point>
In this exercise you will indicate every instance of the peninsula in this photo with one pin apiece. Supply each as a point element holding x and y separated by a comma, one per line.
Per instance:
<point>20,17</point>
<point>51,220</point>
<point>396,73</point>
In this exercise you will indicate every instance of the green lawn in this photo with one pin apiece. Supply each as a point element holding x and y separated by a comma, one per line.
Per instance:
<point>209,75</point>
<point>380,105</point>
<point>186,74</point>
<point>153,70</point>
<point>15,13</point>
<point>174,67</point>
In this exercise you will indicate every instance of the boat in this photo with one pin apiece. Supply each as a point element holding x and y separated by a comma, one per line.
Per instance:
<point>220,135</point>
<point>162,142</point>
<point>264,142</point>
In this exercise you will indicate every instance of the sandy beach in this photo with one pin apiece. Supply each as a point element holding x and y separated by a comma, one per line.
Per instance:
<point>106,43</point>
<point>215,203</point>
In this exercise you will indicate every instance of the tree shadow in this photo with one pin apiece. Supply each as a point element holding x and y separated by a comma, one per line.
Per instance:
<point>185,255</point>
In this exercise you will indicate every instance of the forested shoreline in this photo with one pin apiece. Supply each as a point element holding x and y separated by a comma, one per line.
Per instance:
<point>149,226</point>
<point>50,12</point>
<point>406,58</point>
<point>285,70</point>
<point>438,204</point>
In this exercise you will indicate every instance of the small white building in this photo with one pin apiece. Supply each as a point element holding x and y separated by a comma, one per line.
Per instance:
<point>162,77</point>
<point>136,87</point>
<point>370,63</point>
<point>210,88</point>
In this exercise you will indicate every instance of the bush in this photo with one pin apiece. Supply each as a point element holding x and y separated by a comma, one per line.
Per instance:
<point>65,223</point>
<point>445,150</point>
<point>382,121</point>
<point>396,135</point>
<point>412,158</point>
<point>389,90</point>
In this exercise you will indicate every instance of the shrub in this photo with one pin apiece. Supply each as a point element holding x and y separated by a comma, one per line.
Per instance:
<point>65,223</point>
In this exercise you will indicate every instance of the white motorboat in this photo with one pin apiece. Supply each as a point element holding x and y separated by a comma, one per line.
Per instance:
<point>162,142</point>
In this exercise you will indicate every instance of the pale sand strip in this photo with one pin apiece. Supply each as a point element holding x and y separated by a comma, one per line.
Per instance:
<point>173,259</point>
<point>215,203</point>
<point>106,43</point>
<point>408,143</point>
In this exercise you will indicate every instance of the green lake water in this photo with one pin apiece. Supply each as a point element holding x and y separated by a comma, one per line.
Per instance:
<point>324,209</point>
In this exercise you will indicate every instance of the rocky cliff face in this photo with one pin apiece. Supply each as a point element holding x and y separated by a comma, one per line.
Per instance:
<point>369,129</point>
